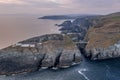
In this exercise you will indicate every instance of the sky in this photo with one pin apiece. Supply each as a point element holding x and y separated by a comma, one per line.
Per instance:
<point>46,7</point>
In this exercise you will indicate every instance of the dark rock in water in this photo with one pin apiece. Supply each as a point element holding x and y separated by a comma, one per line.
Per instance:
<point>53,50</point>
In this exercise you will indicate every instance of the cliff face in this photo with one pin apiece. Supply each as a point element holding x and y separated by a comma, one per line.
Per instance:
<point>103,39</point>
<point>100,33</point>
<point>47,51</point>
<point>78,28</point>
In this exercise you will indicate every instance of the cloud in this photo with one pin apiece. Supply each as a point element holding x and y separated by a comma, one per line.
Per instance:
<point>59,6</point>
<point>11,2</point>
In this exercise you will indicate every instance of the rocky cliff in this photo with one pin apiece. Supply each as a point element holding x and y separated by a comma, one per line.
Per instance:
<point>103,39</point>
<point>47,51</point>
<point>100,33</point>
<point>78,28</point>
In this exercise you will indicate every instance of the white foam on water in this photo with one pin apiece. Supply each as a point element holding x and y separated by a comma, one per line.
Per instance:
<point>81,72</point>
<point>54,68</point>
<point>44,67</point>
<point>65,66</point>
<point>107,70</point>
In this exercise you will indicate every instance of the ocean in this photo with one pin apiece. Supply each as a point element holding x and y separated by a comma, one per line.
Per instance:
<point>15,28</point>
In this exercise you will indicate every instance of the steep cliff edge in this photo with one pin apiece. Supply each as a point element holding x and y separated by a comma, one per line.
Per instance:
<point>77,29</point>
<point>100,33</point>
<point>47,51</point>
<point>104,38</point>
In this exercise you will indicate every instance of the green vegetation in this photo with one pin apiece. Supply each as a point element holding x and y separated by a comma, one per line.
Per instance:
<point>68,43</point>
<point>116,17</point>
<point>105,33</point>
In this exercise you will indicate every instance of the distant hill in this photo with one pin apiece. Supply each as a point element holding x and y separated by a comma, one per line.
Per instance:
<point>59,17</point>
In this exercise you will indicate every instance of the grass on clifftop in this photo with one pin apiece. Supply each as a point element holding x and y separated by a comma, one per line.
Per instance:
<point>105,33</point>
<point>66,43</point>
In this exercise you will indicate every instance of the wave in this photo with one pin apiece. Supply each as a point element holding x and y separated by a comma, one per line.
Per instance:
<point>81,72</point>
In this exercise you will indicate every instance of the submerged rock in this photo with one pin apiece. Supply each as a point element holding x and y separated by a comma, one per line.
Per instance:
<point>53,50</point>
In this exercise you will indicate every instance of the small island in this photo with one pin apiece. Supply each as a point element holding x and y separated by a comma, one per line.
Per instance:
<point>63,17</point>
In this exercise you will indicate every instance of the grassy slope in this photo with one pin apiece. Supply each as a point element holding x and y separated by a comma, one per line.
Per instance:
<point>66,43</point>
<point>105,33</point>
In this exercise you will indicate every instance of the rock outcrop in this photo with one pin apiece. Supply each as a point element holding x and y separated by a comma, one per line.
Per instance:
<point>104,53</point>
<point>47,51</point>
<point>97,36</point>
<point>104,38</point>
<point>78,28</point>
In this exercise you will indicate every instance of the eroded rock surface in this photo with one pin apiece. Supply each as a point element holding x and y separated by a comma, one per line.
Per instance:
<point>47,51</point>
<point>104,53</point>
<point>104,38</point>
